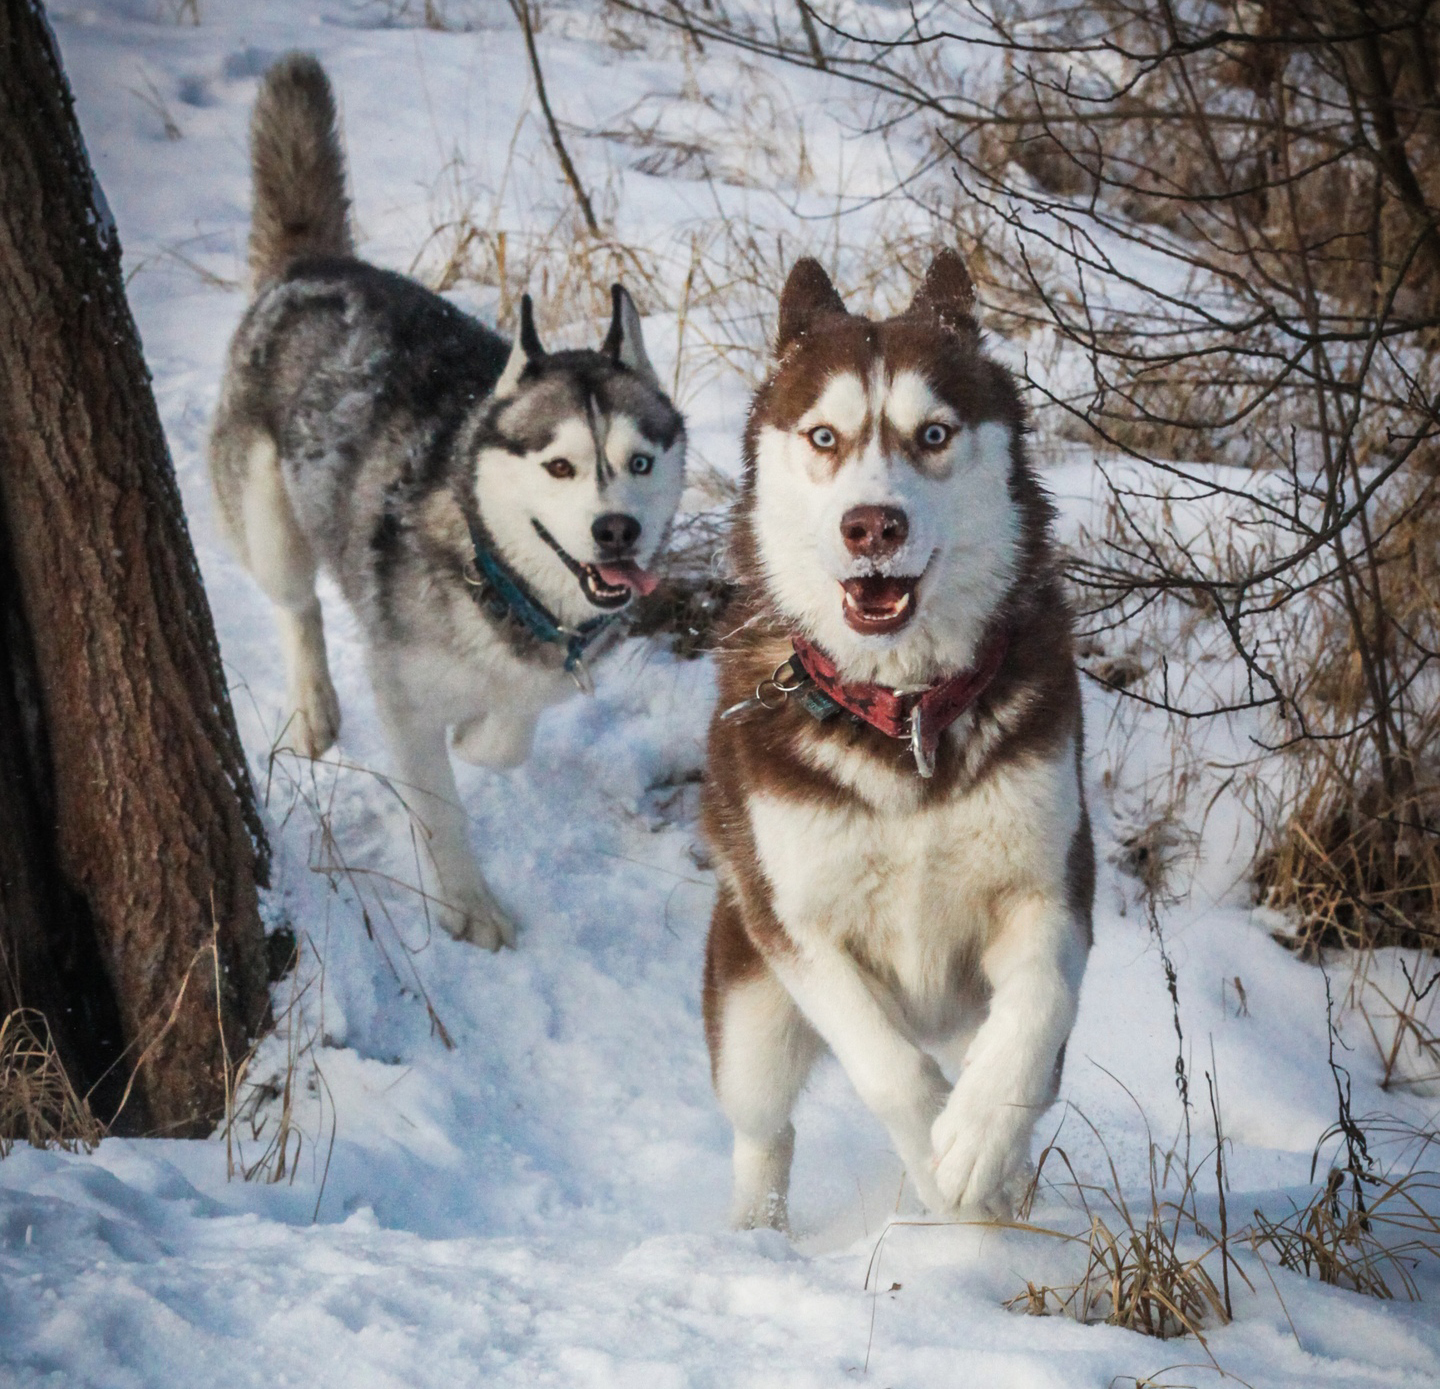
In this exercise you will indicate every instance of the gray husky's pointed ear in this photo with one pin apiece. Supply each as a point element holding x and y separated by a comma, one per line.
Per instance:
<point>808,295</point>
<point>527,349</point>
<point>947,294</point>
<point>624,343</point>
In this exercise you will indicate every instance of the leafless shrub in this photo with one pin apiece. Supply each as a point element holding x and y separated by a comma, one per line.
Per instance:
<point>1401,1021</point>
<point>1223,221</point>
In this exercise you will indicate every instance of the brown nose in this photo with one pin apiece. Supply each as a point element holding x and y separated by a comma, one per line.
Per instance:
<point>874,532</point>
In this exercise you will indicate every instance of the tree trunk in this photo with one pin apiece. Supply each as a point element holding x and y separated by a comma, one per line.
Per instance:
<point>130,825</point>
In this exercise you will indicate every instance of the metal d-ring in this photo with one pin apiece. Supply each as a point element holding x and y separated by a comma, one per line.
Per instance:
<point>773,682</point>
<point>780,688</point>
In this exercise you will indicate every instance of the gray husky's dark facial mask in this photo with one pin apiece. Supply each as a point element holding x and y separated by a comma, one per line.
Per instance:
<point>580,468</point>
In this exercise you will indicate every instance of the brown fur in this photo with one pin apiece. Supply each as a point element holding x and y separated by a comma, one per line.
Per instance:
<point>1030,709</point>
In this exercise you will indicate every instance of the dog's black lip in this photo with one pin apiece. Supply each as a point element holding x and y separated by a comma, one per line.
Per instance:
<point>597,592</point>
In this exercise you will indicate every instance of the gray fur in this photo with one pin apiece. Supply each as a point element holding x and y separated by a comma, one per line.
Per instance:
<point>361,418</point>
<point>299,170</point>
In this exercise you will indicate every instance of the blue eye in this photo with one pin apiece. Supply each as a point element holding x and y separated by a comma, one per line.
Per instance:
<point>935,435</point>
<point>641,464</point>
<point>823,437</point>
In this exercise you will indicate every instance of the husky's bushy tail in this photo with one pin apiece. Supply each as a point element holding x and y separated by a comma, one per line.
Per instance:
<point>300,207</point>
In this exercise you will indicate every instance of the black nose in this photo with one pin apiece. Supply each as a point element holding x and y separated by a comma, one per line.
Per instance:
<point>874,532</point>
<point>615,532</point>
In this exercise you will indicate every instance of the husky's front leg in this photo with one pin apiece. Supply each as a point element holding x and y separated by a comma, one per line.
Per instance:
<point>981,1140</point>
<point>466,910</point>
<point>900,1084</point>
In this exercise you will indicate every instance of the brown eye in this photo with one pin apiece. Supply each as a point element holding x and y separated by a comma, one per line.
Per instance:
<point>823,438</point>
<point>559,467</point>
<point>935,435</point>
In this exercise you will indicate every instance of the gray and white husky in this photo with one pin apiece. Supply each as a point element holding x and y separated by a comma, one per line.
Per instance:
<point>487,510</point>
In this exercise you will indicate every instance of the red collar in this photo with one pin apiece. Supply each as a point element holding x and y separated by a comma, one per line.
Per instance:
<point>919,715</point>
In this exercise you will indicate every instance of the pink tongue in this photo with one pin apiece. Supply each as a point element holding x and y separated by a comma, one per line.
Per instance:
<point>630,574</point>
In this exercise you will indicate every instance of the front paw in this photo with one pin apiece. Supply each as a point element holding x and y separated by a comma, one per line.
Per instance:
<point>491,741</point>
<point>979,1155</point>
<point>477,918</point>
<point>315,723</point>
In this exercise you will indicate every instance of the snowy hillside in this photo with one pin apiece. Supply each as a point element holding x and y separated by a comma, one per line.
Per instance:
<point>510,1169</point>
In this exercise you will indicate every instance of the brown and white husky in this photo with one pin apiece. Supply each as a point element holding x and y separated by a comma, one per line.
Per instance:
<point>894,797</point>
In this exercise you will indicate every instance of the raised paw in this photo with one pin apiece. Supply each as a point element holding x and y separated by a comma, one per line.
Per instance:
<point>978,1152</point>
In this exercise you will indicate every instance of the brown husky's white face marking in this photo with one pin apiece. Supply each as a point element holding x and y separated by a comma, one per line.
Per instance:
<point>891,599</point>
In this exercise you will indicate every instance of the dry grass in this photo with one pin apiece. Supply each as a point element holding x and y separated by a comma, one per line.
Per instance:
<point>1362,1232</point>
<point>1149,1269</point>
<point>264,1140</point>
<point>38,1104</point>
<point>1366,1228</point>
<point>1136,1278</point>
<point>1351,846</point>
<point>1400,1021</point>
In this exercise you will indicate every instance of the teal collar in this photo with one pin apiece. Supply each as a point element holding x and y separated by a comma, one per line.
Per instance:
<point>502,593</point>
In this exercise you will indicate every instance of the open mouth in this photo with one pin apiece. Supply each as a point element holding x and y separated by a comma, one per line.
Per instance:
<point>612,585</point>
<point>609,585</point>
<point>879,603</point>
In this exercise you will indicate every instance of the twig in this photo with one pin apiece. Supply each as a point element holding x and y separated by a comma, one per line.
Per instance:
<point>521,10</point>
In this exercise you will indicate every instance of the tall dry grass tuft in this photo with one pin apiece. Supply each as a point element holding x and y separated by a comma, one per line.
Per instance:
<point>1365,1233</point>
<point>1350,849</point>
<point>1154,1268</point>
<point>38,1104</point>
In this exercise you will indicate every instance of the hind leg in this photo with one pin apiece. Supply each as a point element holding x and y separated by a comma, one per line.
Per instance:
<point>761,1051</point>
<point>279,555</point>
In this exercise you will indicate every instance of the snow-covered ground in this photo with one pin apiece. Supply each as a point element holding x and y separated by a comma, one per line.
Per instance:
<point>510,1169</point>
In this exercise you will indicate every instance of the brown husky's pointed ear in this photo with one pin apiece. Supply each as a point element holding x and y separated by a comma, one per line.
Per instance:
<point>807,296</point>
<point>947,293</point>
<point>527,349</point>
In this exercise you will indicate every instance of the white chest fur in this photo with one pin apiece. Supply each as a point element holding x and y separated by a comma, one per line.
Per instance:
<point>918,892</point>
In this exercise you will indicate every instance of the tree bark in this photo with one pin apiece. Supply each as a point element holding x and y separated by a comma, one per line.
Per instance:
<point>135,833</point>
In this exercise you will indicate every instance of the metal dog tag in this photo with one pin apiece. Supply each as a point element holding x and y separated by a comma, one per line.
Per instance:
<point>580,674</point>
<point>924,758</point>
